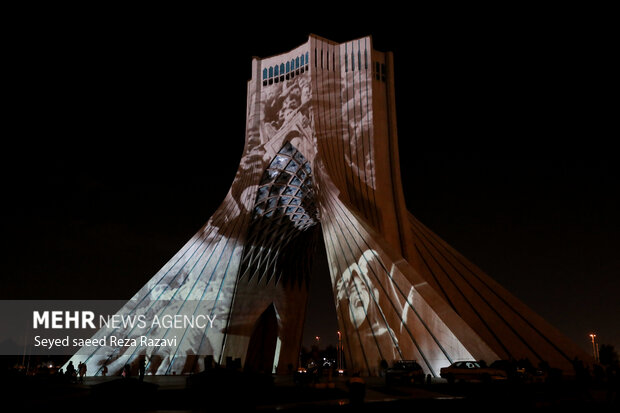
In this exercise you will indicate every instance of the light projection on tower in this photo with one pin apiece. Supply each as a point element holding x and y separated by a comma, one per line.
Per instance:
<point>320,168</point>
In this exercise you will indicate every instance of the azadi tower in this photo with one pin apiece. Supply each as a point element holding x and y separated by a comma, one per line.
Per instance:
<point>321,161</point>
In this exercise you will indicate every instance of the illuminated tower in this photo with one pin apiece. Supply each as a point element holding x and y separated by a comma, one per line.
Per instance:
<point>321,168</point>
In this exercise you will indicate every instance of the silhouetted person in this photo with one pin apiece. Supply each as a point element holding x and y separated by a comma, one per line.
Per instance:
<point>104,370</point>
<point>126,371</point>
<point>82,371</point>
<point>209,362</point>
<point>70,368</point>
<point>383,366</point>
<point>357,389</point>
<point>70,373</point>
<point>141,368</point>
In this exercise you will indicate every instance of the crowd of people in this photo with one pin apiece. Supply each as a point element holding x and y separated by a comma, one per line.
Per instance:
<point>74,374</point>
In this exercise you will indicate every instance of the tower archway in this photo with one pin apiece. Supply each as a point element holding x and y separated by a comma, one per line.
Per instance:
<point>262,346</point>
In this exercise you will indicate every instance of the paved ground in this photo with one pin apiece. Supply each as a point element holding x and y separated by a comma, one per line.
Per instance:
<point>226,391</point>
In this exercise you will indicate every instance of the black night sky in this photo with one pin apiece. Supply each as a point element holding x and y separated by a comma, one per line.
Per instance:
<point>122,136</point>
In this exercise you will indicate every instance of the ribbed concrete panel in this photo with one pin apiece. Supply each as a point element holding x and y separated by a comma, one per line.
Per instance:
<point>383,315</point>
<point>512,328</point>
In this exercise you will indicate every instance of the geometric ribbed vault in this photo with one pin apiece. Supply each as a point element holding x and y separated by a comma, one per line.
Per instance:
<point>285,209</point>
<point>286,189</point>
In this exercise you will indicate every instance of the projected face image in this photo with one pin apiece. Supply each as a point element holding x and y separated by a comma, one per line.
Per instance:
<point>355,288</point>
<point>283,101</point>
<point>289,105</point>
<point>350,287</point>
<point>366,307</point>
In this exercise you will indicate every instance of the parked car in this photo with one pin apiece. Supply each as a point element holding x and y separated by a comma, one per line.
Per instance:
<point>471,370</point>
<point>405,372</point>
<point>515,370</point>
<point>302,376</point>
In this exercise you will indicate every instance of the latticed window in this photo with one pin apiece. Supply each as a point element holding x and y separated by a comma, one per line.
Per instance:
<point>286,70</point>
<point>283,215</point>
<point>287,181</point>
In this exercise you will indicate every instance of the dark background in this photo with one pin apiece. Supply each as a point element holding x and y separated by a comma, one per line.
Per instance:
<point>122,134</point>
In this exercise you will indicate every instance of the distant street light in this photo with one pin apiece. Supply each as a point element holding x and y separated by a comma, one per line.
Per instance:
<point>318,340</point>
<point>594,347</point>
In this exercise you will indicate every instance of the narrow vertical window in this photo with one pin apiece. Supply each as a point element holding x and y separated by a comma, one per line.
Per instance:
<point>275,74</point>
<point>327,56</point>
<point>307,60</point>
<point>271,75</point>
<point>297,63</point>
<point>288,69</point>
<point>292,68</point>
<point>346,62</point>
<point>265,77</point>
<point>365,59</point>
<point>321,58</point>
<point>352,61</point>
<point>315,57</point>
<point>302,63</point>
<point>281,72</point>
<point>359,60</point>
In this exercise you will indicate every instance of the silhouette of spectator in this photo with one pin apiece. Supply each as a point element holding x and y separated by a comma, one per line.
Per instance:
<point>82,371</point>
<point>141,368</point>
<point>70,368</point>
<point>209,362</point>
<point>104,370</point>
<point>70,373</point>
<point>383,366</point>
<point>126,371</point>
